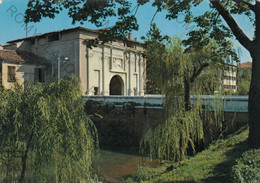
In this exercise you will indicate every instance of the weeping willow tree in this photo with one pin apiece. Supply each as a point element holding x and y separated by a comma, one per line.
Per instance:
<point>45,135</point>
<point>187,72</point>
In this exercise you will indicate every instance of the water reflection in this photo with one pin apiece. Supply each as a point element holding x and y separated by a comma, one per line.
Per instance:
<point>114,166</point>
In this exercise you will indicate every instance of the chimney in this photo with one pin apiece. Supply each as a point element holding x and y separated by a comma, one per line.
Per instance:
<point>136,39</point>
<point>130,36</point>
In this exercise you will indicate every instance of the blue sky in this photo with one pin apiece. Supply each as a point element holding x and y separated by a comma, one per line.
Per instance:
<point>12,26</point>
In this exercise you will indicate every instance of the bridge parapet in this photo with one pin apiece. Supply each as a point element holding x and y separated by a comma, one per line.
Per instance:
<point>146,101</point>
<point>232,103</point>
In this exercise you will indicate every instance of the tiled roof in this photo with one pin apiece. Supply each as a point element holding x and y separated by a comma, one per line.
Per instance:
<point>20,56</point>
<point>246,65</point>
<point>97,31</point>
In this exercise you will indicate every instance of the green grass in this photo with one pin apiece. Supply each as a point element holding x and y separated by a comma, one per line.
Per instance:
<point>212,165</point>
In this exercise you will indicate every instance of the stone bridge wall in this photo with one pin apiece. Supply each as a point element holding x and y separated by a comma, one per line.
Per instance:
<point>126,119</point>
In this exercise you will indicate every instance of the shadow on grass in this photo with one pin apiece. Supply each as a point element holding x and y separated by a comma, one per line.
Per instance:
<point>222,172</point>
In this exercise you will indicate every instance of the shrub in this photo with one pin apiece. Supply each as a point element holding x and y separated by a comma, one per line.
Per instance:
<point>247,168</point>
<point>142,174</point>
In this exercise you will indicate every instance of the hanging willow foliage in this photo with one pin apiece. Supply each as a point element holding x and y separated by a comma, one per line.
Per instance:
<point>182,128</point>
<point>45,135</point>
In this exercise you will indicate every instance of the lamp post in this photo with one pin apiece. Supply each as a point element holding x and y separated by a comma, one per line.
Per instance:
<point>66,59</point>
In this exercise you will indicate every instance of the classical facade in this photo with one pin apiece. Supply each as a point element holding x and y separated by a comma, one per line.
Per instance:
<point>114,68</point>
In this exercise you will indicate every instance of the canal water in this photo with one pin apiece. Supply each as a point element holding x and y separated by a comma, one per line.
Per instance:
<point>115,166</point>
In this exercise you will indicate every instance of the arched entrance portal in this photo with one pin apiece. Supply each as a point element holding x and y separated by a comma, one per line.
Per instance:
<point>116,86</point>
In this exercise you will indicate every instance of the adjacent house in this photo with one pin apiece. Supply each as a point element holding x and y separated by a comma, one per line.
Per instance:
<point>245,66</point>
<point>19,66</point>
<point>113,68</point>
<point>230,78</point>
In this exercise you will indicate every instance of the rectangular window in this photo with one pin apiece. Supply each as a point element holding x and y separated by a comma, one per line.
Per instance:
<point>53,37</point>
<point>95,90</point>
<point>39,75</point>
<point>11,74</point>
<point>32,41</point>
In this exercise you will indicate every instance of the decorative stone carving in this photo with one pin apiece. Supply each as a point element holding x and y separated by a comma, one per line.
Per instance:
<point>118,64</point>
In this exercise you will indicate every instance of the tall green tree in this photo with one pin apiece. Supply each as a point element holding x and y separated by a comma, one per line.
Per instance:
<point>211,22</point>
<point>243,81</point>
<point>185,70</point>
<point>156,51</point>
<point>200,63</point>
<point>45,134</point>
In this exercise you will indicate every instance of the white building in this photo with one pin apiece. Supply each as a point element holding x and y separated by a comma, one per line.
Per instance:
<point>230,78</point>
<point>114,68</point>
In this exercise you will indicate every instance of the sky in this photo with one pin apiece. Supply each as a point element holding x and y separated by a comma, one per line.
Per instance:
<point>12,26</point>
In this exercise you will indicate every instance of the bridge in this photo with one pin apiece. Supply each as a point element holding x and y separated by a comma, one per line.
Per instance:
<point>125,119</point>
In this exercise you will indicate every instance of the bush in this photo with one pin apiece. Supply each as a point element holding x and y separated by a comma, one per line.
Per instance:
<point>142,174</point>
<point>247,168</point>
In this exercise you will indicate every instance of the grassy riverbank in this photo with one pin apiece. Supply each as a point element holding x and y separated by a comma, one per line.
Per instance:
<point>212,165</point>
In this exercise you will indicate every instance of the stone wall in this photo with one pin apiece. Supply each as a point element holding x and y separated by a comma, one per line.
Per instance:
<point>125,120</point>
<point>122,125</point>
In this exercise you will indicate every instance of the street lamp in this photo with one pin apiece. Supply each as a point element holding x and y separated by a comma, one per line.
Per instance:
<point>66,59</point>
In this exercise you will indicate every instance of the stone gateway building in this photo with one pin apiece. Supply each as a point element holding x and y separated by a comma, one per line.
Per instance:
<point>114,68</point>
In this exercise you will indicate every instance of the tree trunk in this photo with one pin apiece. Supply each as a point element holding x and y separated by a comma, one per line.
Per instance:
<point>24,159</point>
<point>254,93</point>
<point>254,103</point>
<point>21,179</point>
<point>187,88</point>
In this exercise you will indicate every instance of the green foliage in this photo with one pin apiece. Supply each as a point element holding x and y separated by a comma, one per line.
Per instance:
<point>155,56</point>
<point>45,134</point>
<point>214,164</point>
<point>244,79</point>
<point>94,12</point>
<point>141,175</point>
<point>247,168</point>
<point>165,59</point>
<point>183,128</point>
<point>171,139</point>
